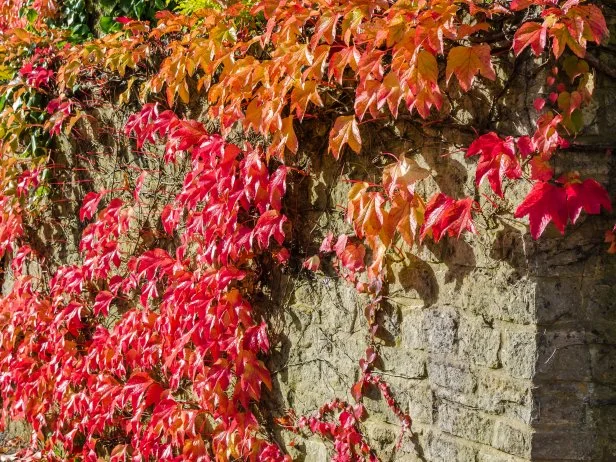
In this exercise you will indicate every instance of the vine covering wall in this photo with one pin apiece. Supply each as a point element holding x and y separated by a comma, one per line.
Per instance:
<point>284,230</point>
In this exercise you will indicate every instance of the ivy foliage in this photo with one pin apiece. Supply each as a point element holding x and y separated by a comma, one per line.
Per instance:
<point>179,373</point>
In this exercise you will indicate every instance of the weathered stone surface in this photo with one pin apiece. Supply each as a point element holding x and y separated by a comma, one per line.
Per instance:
<point>440,327</point>
<point>316,451</point>
<point>603,363</point>
<point>496,345</point>
<point>511,440</point>
<point>519,353</point>
<point>479,343</point>
<point>562,403</point>
<point>466,423</point>
<point>559,445</point>
<point>443,449</point>
<point>457,378</point>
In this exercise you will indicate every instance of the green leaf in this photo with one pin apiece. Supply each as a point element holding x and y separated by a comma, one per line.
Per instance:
<point>108,24</point>
<point>575,122</point>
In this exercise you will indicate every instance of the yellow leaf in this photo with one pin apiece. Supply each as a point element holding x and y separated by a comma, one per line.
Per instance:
<point>289,134</point>
<point>427,67</point>
<point>125,96</point>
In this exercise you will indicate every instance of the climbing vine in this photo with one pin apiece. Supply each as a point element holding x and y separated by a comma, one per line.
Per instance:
<point>149,347</point>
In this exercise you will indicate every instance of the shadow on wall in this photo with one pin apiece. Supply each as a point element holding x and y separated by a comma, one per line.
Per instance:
<point>417,276</point>
<point>574,413</point>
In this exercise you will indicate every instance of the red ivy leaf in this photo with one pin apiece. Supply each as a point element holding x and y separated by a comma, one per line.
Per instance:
<point>277,187</point>
<point>356,389</point>
<point>540,169</point>
<point>497,160</point>
<point>539,103</point>
<point>255,338</point>
<point>352,256</point>
<point>89,206</point>
<point>530,34</point>
<point>270,224</point>
<point>551,202</point>
<point>326,245</point>
<point>170,217</point>
<point>101,303</point>
<point>139,186</point>
<point>312,263</point>
<point>525,146</point>
<point>588,195</point>
<point>517,5</point>
<point>544,203</point>
<point>445,215</point>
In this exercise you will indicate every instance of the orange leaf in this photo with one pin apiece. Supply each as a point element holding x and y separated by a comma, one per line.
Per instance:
<point>391,93</point>
<point>345,131</point>
<point>303,94</point>
<point>467,62</point>
<point>403,175</point>
<point>406,216</point>
<point>561,36</point>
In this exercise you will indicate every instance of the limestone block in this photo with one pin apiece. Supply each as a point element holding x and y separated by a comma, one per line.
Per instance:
<point>440,326</point>
<point>465,423</point>
<point>512,440</point>
<point>445,449</point>
<point>458,378</point>
<point>479,343</point>
<point>519,352</point>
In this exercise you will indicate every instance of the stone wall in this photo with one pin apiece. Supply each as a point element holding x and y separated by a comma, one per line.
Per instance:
<point>502,349</point>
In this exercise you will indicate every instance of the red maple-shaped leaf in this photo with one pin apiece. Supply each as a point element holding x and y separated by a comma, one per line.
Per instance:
<point>139,186</point>
<point>517,5</point>
<point>531,34</point>
<point>255,338</point>
<point>540,169</point>
<point>170,217</point>
<point>498,159</point>
<point>277,187</point>
<point>89,206</point>
<point>326,245</point>
<point>351,255</point>
<point>544,203</point>
<point>252,374</point>
<point>101,303</point>
<point>445,215</point>
<point>525,146</point>
<point>137,386</point>
<point>587,195</point>
<point>562,202</point>
<point>270,224</point>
